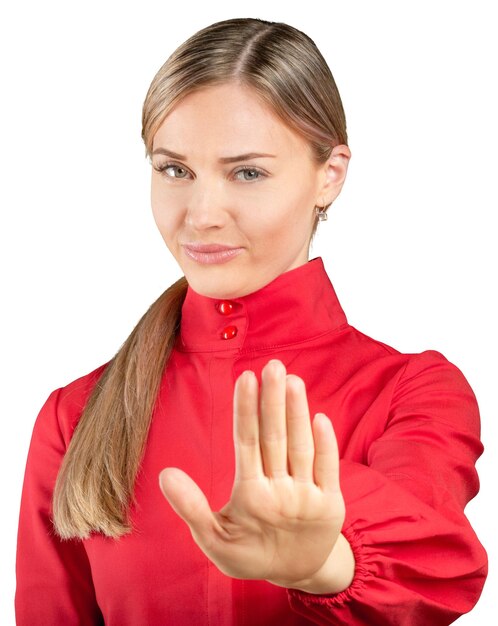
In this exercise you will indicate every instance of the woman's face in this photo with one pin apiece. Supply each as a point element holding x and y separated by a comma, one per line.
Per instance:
<point>227,171</point>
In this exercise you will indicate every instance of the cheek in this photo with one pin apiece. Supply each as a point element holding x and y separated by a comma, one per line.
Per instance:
<point>259,223</point>
<point>158,194</point>
<point>164,211</point>
<point>158,211</point>
<point>286,217</point>
<point>270,230</point>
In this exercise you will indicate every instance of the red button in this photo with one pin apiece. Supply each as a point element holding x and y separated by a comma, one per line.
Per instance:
<point>229,332</point>
<point>225,307</point>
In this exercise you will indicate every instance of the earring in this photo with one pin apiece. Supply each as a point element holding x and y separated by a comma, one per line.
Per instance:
<point>322,213</point>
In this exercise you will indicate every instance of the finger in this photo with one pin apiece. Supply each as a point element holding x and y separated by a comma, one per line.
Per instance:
<point>272,424</point>
<point>300,444</point>
<point>248,462</point>
<point>189,502</point>
<point>326,464</point>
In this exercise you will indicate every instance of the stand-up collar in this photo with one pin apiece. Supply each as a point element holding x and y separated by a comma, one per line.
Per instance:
<point>298,305</point>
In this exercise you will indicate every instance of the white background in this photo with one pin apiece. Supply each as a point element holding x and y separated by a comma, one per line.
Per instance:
<point>409,246</point>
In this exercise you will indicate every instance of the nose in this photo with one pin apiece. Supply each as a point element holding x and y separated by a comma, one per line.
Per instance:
<point>206,207</point>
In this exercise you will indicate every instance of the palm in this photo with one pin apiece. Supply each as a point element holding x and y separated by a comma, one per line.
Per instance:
<point>286,509</point>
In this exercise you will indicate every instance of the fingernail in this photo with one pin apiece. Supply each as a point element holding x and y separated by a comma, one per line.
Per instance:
<point>277,364</point>
<point>169,475</point>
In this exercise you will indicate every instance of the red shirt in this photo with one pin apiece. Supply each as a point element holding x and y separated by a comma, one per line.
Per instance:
<point>408,433</point>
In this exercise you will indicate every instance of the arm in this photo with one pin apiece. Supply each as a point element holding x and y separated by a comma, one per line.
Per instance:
<point>54,582</point>
<point>418,560</point>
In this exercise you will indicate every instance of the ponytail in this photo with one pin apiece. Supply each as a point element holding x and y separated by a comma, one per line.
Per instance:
<point>95,483</point>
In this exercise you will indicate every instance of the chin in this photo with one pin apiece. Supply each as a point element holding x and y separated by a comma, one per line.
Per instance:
<point>221,288</point>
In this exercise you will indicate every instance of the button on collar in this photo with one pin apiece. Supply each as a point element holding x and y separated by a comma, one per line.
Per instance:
<point>297,306</point>
<point>225,307</point>
<point>229,332</point>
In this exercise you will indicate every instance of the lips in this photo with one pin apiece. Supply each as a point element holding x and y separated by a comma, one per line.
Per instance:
<point>212,253</point>
<point>209,247</point>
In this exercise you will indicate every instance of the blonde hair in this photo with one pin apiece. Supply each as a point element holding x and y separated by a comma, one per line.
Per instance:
<point>95,483</point>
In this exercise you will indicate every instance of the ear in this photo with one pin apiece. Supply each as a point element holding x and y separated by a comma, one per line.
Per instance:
<point>334,172</point>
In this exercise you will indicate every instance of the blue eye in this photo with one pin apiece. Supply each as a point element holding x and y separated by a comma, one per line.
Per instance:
<point>252,173</point>
<point>178,171</point>
<point>182,172</point>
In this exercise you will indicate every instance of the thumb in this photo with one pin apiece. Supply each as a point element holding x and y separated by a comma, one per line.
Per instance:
<point>188,501</point>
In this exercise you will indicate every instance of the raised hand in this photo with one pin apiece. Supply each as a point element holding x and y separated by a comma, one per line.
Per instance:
<point>286,509</point>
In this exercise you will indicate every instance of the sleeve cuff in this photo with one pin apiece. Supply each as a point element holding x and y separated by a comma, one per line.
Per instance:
<point>362,572</point>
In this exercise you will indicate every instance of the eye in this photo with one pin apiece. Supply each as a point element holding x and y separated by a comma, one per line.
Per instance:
<point>249,173</point>
<point>181,172</point>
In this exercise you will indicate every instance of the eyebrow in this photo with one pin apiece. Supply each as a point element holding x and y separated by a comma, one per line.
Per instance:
<point>230,159</point>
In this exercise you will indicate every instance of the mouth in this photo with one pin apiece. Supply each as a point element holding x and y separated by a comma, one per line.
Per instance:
<point>207,254</point>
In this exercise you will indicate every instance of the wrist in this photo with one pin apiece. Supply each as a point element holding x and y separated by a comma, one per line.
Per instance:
<point>335,575</point>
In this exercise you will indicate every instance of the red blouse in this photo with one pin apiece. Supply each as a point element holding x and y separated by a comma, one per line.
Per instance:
<point>408,432</point>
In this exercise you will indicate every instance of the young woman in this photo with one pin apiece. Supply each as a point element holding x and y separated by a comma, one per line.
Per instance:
<point>308,474</point>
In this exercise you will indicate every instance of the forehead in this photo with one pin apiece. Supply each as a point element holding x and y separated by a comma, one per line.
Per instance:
<point>227,117</point>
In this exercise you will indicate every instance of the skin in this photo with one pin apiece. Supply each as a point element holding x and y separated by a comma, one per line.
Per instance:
<point>270,215</point>
<point>284,518</point>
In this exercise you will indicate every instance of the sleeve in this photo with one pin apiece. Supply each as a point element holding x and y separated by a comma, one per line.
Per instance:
<point>418,561</point>
<point>53,576</point>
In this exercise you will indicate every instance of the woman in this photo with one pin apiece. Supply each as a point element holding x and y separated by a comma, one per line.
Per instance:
<point>215,389</point>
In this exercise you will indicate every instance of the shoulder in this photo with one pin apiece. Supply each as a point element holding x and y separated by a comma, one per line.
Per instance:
<point>76,391</point>
<point>415,372</point>
<point>432,376</point>
<point>60,413</point>
<point>70,400</point>
<point>428,360</point>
